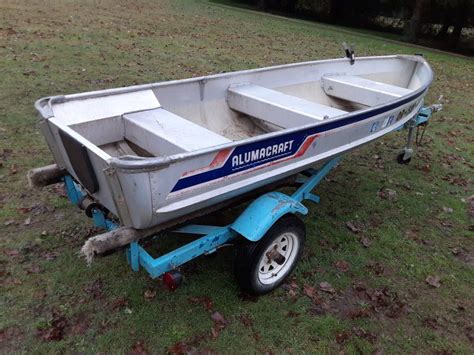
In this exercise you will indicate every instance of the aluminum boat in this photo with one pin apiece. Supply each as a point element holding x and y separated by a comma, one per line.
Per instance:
<point>154,153</point>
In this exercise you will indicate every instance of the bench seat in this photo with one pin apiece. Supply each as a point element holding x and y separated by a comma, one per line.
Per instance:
<point>362,91</point>
<point>161,132</point>
<point>277,108</point>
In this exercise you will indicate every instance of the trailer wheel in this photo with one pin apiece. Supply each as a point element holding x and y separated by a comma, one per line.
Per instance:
<point>262,266</point>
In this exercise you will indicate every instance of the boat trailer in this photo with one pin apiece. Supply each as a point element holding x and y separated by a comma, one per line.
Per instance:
<point>268,232</point>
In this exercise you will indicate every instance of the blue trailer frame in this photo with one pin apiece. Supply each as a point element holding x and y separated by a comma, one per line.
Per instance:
<point>251,224</point>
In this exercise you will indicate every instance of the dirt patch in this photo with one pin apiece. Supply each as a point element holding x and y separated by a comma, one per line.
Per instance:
<point>464,255</point>
<point>60,326</point>
<point>358,301</point>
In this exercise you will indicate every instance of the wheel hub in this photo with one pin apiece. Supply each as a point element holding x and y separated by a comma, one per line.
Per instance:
<point>278,258</point>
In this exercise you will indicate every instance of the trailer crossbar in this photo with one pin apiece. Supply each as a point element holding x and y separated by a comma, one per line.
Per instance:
<point>208,244</point>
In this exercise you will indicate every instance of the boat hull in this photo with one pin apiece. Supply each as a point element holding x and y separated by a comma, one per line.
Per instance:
<point>227,173</point>
<point>145,193</point>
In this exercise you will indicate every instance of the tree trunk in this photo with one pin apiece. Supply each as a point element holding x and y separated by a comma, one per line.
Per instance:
<point>413,26</point>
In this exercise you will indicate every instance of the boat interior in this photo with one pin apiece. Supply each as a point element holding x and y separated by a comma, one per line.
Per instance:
<point>185,116</point>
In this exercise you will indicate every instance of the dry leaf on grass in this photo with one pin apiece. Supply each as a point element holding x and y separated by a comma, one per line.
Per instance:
<point>219,323</point>
<point>149,294</point>
<point>326,287</point>
<point>312,293</point>
<point>342,265</point>
<point>353,228</point>
<point>433,281</point>
<point>206,302</point>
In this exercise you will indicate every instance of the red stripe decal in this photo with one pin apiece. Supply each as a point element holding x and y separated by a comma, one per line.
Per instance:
<point>218,160</point>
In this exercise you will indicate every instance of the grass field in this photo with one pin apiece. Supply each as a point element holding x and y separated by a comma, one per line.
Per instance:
<point>52,302</point>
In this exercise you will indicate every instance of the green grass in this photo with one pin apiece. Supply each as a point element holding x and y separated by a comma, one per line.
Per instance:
<point>74,46</point>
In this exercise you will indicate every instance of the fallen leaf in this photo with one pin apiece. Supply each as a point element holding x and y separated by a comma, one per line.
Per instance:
<point>376,267</point>
<point>470,333</point>
<point>361,333</point>
<point>181,348</point>
<point>138,349</point>
<point>463,255</point>
<point>359,286</point>
<point>79,325</point>
<point>433,281</point>
<point>292,314</point>
<point>27,221</point>
<point>358,313</point>
<point>353,228</point>
<point>342,265</point>
<point>13,169</point>
<point>342,337</point>
<point>49,256</point>
<point>292,289</point>
<point>396,309</point>
<point>24,210</point>
<point>149,294</point>
<point>206,302</point>
<point>471,206</point>
<point>292,293</point>
<point>431,323</point>
<point>11,335</point>
<point>56,330</point>
<point>312,293</point>
<point>219,323</point>
<point>34,269</point>
<point>95,289</point>
<point>246,320</point>
<point>257,336</point>
<point>218,318</point>
<point>190,346</point>
<point>326,287</point>
<point>16,282</point>
<point>365,242</point>
<point>244,296</point>
<point>387,194</point>
<point>119,303</point>
<point>12,252</point>
<point>426,168</point>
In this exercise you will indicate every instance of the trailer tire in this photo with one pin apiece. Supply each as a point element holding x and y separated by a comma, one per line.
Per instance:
<point>260,267</point>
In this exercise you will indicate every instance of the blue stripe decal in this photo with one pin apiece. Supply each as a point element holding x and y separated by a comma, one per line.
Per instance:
<point>251,155</point>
